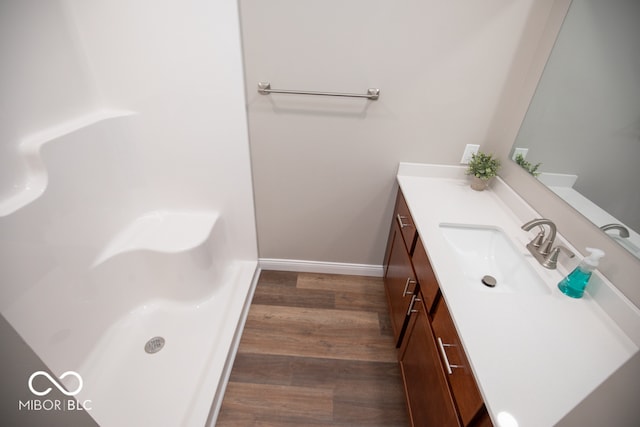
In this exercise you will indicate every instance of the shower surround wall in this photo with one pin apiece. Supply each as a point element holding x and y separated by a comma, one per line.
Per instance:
<point>126,204</point>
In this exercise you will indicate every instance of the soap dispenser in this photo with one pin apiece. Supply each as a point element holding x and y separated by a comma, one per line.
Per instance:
<point>573,285</point>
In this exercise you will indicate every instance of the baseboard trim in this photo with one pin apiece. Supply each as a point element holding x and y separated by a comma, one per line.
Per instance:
<point>321,267</point>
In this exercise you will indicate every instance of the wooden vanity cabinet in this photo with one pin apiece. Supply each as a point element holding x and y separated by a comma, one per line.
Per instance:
<point>439,385</point>
<point>400,280</point>
<point>429,399</point>
<point>400,285</point>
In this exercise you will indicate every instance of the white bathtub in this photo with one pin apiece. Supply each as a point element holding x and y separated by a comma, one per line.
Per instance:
<point>89,276</point>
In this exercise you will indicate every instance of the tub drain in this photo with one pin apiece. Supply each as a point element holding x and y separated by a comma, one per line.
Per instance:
<point>154,345</point>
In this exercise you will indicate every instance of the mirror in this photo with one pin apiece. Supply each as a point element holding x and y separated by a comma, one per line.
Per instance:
<point>583,124</point>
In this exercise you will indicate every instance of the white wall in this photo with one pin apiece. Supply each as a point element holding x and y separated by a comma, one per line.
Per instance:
<point>179,65</point>
<point>44,79</point>
<point>324,168</point>
<point>613,403</point>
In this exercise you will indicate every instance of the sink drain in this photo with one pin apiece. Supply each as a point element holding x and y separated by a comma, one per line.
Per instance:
<point>154,345</point>
<point>489,281</point>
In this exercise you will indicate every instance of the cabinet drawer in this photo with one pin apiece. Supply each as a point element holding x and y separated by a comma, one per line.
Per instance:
<point>463,385</point>
<point>424,273</point>
<point>402,217</point>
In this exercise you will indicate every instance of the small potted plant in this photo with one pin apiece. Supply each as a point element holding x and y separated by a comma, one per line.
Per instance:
<point>532,169</point>
<point>482,168</point>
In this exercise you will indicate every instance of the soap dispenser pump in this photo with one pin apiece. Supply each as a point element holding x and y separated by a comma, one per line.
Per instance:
<point>573,285</point>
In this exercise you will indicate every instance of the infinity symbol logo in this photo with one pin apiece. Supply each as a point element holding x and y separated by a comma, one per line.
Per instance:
<point>55,383</point>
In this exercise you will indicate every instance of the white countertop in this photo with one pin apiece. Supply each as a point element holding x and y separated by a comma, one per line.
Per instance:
<point>535,357</point>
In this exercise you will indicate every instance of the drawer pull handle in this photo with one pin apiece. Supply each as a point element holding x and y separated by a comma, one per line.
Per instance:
<point>406,287</point>
<point>414,298</point>
<point>447,365</point>
<point>400,222</point>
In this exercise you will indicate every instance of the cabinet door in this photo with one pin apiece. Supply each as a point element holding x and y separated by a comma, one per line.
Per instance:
<point>463,385</point>
<point>428,397</point>
<point>400,284</point>
<point>428,284</point>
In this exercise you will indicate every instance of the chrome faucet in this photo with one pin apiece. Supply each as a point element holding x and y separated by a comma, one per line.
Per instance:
<point>542,245</point>
<point>542,248</point>
<point>624,231</point>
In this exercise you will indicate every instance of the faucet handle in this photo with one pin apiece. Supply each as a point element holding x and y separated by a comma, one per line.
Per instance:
<point>546,248</point>
<point>551,260</point>
<point>537,241</point>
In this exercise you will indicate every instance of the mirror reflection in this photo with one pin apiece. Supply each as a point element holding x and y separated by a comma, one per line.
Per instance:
<point>581,133</point>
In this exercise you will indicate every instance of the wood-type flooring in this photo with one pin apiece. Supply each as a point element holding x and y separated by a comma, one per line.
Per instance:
<point>317,350</point>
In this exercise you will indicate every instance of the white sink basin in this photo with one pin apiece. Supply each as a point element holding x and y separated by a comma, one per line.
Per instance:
<point>486,251</point>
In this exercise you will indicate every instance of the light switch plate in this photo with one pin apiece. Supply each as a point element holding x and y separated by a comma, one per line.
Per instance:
<point>468,151</point>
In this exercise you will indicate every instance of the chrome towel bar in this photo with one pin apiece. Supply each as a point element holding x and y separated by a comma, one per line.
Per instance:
<point>264,88</point>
